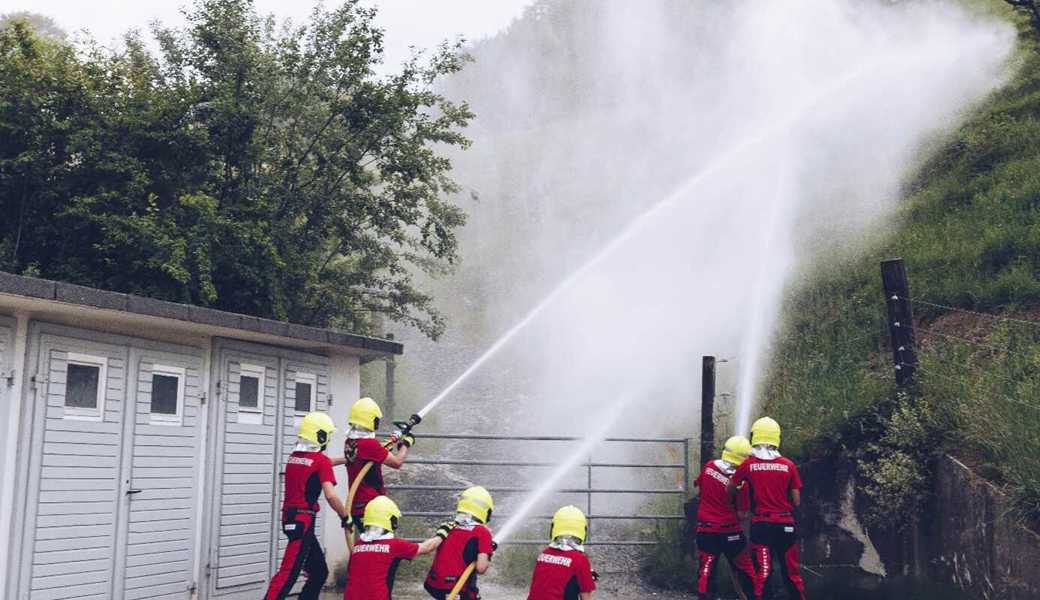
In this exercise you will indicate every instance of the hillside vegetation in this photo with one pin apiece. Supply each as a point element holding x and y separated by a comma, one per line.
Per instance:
<point>969,230</point>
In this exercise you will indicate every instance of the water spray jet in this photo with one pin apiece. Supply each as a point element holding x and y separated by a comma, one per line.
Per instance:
<point>643,219</point>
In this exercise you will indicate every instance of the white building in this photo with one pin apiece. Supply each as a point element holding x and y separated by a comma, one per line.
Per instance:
<point>143,441</point>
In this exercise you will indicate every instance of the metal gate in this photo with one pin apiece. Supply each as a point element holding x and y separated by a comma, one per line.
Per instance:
<point>677,449</point>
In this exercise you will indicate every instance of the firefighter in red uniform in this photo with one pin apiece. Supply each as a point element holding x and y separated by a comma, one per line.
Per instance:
<point>469,542</point>
<point>719,531</point>
<point>361,448</point>
<point>308,475</point>
<point>562,571</point>
<point>775,492</point>
<point>373,564</point>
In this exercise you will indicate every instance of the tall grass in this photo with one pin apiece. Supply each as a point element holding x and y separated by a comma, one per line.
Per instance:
<point>969,230</point>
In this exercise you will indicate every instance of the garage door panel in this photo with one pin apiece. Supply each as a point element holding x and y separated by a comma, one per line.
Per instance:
<point>170,524</point>
<point>156,573</point>
<point>56,436</point>
<point>258,572</point>
<point>78,467</point>
<point>160,547</point>
<point>171,591</point>
<point>164,466</point>
<point>155,556</point>
<point>66,556</point>
<point>82,460</point>
<point>98,473</point>
<point>79,592</point>
<point>64,496</point>
<point>151,451</point>
<point>71,581</point>
<point>88,450</point>
<point>114,430</point>
<point>244,517</point>
<point>58,543</point>
<point>50,570</point>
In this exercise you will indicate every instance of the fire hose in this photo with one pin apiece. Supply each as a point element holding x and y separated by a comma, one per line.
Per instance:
<point>461,583</point>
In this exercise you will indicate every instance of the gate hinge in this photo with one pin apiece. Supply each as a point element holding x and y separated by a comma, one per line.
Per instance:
<point>9,376</point>
<point>202,398</point>
<point>220,389</point>
<point>194,587</point>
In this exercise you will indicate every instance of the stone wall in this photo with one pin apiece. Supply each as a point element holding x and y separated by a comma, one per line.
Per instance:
<point>964,538</point>
<point>973,544</point>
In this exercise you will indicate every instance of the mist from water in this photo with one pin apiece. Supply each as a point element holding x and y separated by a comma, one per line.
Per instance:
<point>808,116</point>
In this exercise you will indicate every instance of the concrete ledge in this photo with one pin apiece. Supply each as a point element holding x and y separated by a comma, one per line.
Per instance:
<point>303,332</point>
<point>68,293</point>
<point>279,328</point>
<point>158,308</point>
<point>216,318</point>
<point>77,294</point>
<point>27,286</point>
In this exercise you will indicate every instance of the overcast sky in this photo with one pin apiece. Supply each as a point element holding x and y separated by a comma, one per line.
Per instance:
<point>422,23</point>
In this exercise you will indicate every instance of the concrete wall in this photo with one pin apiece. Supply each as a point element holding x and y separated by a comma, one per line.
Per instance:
<point>346,385</point>
<point>10,414</point>
<point>964,538</point>
<point>973,543</point>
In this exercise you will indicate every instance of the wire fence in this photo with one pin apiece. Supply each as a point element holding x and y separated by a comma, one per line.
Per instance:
<point>985,360</point>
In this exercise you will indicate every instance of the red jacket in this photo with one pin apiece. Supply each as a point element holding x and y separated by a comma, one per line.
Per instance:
<point>464,542</point>
<point>373,566</point>
<point>771,482</point>
<point>358,452</point>
<point>304,474</point>
<point>560,575</point>
<point>715,512</point>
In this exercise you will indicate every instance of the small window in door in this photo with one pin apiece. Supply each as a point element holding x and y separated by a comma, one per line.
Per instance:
<point>306,393</point>
<point>84,387</point>
<point>250,388</point>
<point>167,402</point>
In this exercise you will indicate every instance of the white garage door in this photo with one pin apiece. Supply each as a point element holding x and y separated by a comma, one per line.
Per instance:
<point>160,552</point>
<point>246,451</point>
<point>267,391</point>
<point>112,484</point>
<point>305,390</point>
<point>73,518</point>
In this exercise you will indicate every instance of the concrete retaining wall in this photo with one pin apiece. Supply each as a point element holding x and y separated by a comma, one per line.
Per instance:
<point>964,538</point>
<point>973,544</point>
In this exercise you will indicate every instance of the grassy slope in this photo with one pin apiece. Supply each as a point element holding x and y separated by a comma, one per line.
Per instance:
<point>969,230</point>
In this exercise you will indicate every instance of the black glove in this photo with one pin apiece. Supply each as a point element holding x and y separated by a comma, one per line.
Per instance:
<point>445,528</point>
<point>347,522</point>
<point>595,576</point>
<point>494,548</point>
<point>407,440</point>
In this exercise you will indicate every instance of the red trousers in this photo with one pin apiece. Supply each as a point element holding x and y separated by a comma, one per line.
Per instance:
<point>779,540</point>
<point>303,553</point>
<point>712,546</point>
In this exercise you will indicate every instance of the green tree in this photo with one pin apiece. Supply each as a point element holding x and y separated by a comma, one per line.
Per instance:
<point>250,166</point>
<point>41,24</point>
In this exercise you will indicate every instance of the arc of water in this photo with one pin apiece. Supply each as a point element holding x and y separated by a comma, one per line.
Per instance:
<point>578,455</point>
<point>767,132</point>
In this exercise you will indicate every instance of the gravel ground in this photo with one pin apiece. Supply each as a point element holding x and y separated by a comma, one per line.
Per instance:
<point>490,591</point>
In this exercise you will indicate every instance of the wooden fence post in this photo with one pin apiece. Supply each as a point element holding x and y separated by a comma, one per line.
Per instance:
<point>707,409</point>
<point>900,319</point>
